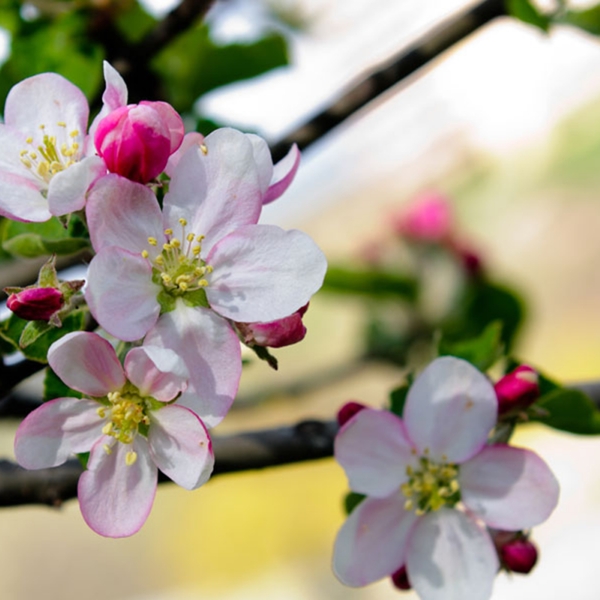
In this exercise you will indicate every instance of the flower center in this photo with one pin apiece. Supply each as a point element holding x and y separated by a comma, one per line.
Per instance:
<point>53,155</point>
<point>431,486</point>
<point>179,268</point>
<point>126,413</point>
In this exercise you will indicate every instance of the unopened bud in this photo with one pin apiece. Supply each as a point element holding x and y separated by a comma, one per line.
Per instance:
<point>519,555</point>
<point>517,390</point>
<point>427,219</point>
<point>36,304</point>
<point>400,579</point>
<point>136,141</point>
<point>348,411</point>
<point>276,334</point>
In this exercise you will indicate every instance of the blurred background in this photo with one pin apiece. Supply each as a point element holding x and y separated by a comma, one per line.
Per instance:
<point>505,125</point>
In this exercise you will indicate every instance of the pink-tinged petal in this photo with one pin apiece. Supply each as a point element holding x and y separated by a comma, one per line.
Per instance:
<point>211,351</point>
<point>21,199</point>
<point>508,488</point>
<point>116,498</point>
<point>49,435</point>
<point>123,213</point>
<point>156,372</point>
<point>114,96</point>
<point>263,273</point>
<point>450,409</point>
<point>372,543</point>
<point>121,294</point>
<point>263,160</point>
<point>373,449</point>
<point>46,99</point>
<point>283,175</point>
<point>87,363</point>
<point>171,122</point>
<point>180,446</point>
<point>190,140</point>
<point>216,192</point>
<point>67,189</point>
<point>450,557</point>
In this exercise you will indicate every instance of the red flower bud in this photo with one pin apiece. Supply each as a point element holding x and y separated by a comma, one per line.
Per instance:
<point>519,555</point>
<point>36,304</point>
<point>517,390</point>
<point>276,334</point>
<point>427,219</point>
<point>400,579</point>
<point>136,141</point>
<point>348,411</point>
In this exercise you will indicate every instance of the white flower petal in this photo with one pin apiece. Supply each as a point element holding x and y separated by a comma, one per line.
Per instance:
<point>450,557</point>
<point>121,294</point>
<point>87,363</point>
<point>116,497</point>
<point>180,446</point>
<point>211,352</point>
<point>450,410</point>
<point>55,431</point>
<point>372,542</point>
<point>373,449</point>
<point>263,273</point>
<point>509,488</point>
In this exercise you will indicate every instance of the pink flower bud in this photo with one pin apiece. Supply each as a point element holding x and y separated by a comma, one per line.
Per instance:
<point>519,555</point>
<point>276,334</point>
<point>427,219</point>
<point>348,411</point>
<point>517,390</point>
<point>136,141</point>
<point>400,579</point>
<point>36,304</point>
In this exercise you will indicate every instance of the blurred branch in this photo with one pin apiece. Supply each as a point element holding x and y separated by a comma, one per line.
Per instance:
<point>396,69</point>
<point>307,440</point>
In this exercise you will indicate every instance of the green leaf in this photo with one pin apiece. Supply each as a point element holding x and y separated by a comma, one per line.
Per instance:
<point>32,331</point>
<point>193,64</point>
<point>61,45</point>
<point>569,410</point>
<point>12,328</point>
<point>369,282</point>
<point>528,13</point>
<point>352,500</point>
<point>134,22</point>
<point>588,20</point>
<point>482,351</point>
<point>55,388</point>
<point>30,240</point>
<point>398,399</point>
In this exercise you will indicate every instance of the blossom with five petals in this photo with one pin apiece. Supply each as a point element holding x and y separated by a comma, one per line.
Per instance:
<point>179,275</point>
<point>431,481</point>
<point>128,423</point>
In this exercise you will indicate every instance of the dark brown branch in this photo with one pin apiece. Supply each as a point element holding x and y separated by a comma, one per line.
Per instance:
<point>308,440</point>
<point>396,69</point>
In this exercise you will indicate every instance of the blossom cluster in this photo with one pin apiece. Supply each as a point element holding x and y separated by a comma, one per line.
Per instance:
<point>182,273</point>
<point>440,495</point>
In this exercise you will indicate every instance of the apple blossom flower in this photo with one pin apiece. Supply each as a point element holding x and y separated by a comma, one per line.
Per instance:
<point>36,304</point>
<point>178,276</point>
<point>136,140</point>
<point>431,480</point>
<point>127,422</point>
<point>47,161</point>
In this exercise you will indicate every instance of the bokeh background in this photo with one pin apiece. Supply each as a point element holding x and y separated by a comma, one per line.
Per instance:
<point>507,125</point>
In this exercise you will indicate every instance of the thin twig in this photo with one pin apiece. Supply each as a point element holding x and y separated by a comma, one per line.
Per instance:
<point>307,440</point>
<point>395,69</point>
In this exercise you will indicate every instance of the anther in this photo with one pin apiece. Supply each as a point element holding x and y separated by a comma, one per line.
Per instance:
<point>130,458</point>
<point>145,253</point>
<point>204,149</point>
<point>168,231</point>
<point>183,222</point>
<point>152,241</point>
